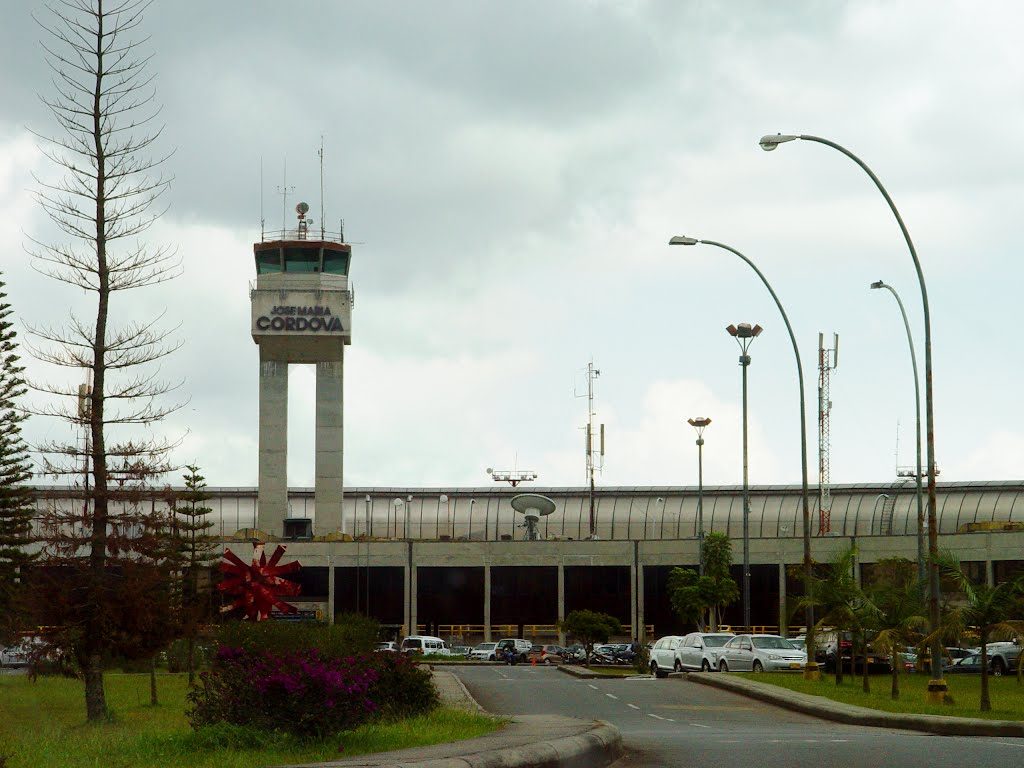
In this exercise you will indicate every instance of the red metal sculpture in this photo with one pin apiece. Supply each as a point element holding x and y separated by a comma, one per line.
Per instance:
<point>259,587</point>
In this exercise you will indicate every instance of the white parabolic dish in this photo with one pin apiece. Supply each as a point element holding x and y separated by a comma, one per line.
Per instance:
<point>533,505</point>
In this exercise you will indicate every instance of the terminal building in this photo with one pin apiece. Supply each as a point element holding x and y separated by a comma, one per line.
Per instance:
<point>456,561</point>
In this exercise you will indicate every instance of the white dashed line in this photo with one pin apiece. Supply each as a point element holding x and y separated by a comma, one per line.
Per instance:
<point>611,696</point>
<point>656,717</point>
<point>1008,743</point>
<point>633,706</point>
<point>698,725</point>
<point>591,686</point>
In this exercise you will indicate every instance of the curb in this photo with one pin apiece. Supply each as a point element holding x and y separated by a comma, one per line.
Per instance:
<point>850,714</point>
<point>467,694</point>
<point>579,672</point>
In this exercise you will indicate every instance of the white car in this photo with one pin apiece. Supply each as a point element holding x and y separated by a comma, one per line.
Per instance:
<point>760,653</point>
<point>483,652</point>
<point>663,655</point>
<point>388,645</point>
<point>700,650</point>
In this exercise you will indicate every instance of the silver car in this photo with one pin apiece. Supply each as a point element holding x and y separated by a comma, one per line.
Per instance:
<point>483,652</point>
<point>760,653</point>
<point>700,650</point>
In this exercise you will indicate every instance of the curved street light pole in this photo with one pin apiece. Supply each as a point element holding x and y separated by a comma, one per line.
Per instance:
<point>700,424</point>
<point>811,669</point>
<point>937,686</point>
<point>921,547</point>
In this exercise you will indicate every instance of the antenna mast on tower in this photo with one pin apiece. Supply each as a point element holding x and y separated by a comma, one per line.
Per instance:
<point>323,233</point>
<point>594,461</point>
<point>828,361</point>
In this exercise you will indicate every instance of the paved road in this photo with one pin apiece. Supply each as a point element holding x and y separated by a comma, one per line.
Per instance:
<point>676,723</point>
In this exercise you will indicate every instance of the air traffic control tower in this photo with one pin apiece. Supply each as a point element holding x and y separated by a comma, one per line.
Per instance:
<point>301,314</point>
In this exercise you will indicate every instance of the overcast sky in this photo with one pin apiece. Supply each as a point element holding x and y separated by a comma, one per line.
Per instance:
<point>509,175</point>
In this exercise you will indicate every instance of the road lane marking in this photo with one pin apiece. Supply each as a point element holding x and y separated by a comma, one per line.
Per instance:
<point>611,696</point>
<point>592,686</point>
<point>699,725</point>
<point>670,719</point>
<point>656,717</point>
<point>633,706</point>
<point>1008,743</point>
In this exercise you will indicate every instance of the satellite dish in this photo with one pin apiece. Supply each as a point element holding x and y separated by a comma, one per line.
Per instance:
<point>533,507</point>
<point>302,209</point>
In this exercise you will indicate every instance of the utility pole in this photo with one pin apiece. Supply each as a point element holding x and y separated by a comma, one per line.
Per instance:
<point>594,461</point>
<point>828,361</point>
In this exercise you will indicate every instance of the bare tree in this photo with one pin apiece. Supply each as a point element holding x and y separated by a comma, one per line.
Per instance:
<point>108,196</point>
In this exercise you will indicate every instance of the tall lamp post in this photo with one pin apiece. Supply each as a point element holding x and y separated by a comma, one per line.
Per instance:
<point>937,685</point>
<point>811,668</point>
<point>921,554</point>
<point>745,335</point>
<point>700,424</point>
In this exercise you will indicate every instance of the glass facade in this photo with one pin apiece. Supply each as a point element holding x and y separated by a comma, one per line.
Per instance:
<point>336,262</point>
<point>302,258</point>
<point>268,261</point>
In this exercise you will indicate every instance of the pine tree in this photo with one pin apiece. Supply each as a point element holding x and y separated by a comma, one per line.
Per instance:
<point>16,502</point>
<point>196,554</point>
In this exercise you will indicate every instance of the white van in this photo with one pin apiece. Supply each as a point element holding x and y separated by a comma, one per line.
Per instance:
<point>426,645</point>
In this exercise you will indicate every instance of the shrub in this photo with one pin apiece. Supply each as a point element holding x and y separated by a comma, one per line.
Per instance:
<point>304,692</point>
<point>403,688</point>
<point>349,636</point>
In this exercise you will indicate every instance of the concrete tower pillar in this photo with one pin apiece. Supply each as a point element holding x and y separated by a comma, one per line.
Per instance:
<point>329,436</point>
<point>273,445</point>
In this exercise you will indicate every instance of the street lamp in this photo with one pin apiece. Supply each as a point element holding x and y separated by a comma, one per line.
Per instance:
<point>811,668</point>
<point>745,335</point>
<point>700,424</point>
<point>917,433</point>
<point>936,686</point>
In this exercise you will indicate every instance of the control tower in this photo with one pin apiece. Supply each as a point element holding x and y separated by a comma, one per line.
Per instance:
<point>301,314</point>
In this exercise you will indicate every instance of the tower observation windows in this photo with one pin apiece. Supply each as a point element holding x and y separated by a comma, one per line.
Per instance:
<point>335,261</point>
<point>268,261</point>
<point>301,258</point>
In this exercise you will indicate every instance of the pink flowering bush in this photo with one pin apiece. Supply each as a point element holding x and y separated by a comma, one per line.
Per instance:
<point>306,692</point>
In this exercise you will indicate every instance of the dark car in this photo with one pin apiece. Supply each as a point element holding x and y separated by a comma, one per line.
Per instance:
<point>968,665</point>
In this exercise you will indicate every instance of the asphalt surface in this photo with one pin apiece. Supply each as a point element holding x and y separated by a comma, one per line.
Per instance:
<point>677,723</point>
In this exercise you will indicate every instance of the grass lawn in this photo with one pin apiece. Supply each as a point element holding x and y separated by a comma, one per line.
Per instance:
<point>1007,697</point>
<point>43,724</point>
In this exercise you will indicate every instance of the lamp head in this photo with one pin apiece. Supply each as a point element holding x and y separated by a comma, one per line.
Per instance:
<point>683,240</point>
<point>770,142</point>
<point>878,284</point>
<point>700,421</point>
<point>744,331</point>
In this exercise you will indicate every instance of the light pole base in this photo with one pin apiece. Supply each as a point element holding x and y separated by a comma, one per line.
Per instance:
<point>937,690</point>
<point>812,671</point>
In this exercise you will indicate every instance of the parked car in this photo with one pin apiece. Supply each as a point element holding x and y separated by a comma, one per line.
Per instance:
<point>483,652</point>
<point>700,650</point>
<point>389,645</point>
<point>425,645</point>
<point>547,654</point>
<point>663,655</point>
<point>461,650</point>
<point>760,653</point>
<point>575,653</point>
<point>1004,656</point>
<point>602,654</point>
<point>839,645</point>
<point>14,655</point>
<point>968,665</point>
<point>518,647</point>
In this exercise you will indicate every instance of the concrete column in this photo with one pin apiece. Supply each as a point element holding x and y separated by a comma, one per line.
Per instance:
<point>412,601</point>
<point>273,446</point>
<point>487,603</point>
<point>783,618</point>
<point>990,574</point>
<point>330,590</point>
<point>329,438</point>
<point>561,603</point>
<point>640,612</point>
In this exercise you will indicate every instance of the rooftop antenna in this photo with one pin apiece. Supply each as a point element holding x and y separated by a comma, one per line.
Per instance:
<point>322,219</point>
<point>828,361</point>
<point>263,221</point>
<point>341,230</point>
<point>593,463</point>
<point>284,190</point>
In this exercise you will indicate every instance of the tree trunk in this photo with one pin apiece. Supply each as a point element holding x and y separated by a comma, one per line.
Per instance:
<point>153,700</point>
<point>895,693</point>
<point>839,660</point>
<point>986,704</point>
<point>95,697</point>
<point>864,656</point>
<point>190,659</point>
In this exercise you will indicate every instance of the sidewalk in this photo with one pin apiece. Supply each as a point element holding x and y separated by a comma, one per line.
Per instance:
<point>528,741</point>
<point>828,709</point>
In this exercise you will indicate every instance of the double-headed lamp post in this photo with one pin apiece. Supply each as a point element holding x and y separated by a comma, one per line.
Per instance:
<point>745,335</point>
<point>811,668</point>
<point>936,686</point>
<point>700,424</point>
<point>921,547</point>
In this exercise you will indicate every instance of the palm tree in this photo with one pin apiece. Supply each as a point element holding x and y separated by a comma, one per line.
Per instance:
<point>840,600</point>
<point>900,618</point>
<point>987,608</point>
